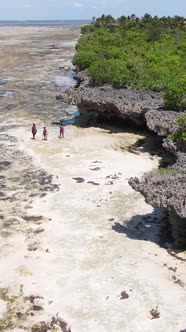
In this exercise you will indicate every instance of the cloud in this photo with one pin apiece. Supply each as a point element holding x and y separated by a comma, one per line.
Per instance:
<point>27,4</point>
<point>77,4</point>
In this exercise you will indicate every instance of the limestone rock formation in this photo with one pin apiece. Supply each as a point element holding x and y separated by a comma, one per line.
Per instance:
<point>125,104</point>
<point>167,189</point>
<point>162,122</point>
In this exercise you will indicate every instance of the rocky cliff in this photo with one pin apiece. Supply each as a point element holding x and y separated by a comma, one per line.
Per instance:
<point>125,104</point>
<point>166,188</point>
<point>162,188</point>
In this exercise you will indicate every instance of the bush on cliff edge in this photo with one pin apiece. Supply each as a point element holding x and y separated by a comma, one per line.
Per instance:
<point>175,94</point>
<point>180,133</point>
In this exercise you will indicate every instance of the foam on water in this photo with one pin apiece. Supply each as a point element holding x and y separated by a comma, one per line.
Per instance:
<point>6,93</point>
<point>72,110</point>
<point>69,44</point>
<point>65,81</point>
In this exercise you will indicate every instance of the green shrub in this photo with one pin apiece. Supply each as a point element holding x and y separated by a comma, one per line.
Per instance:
<point>175,94</point>
<point>109,72</point>
<point>84,59</point>
<point>87,28</point>
<point>180,133</point>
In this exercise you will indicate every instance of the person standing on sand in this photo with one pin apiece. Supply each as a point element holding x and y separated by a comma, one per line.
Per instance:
<point>61,131</point>
<point>45,133</point>
<point>34,130</point>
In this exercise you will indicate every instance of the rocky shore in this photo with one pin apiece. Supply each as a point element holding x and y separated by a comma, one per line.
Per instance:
<point>165,189</point>
<point>125,104</point>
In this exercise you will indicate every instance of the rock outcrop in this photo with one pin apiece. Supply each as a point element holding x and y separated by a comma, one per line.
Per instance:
<point>167,189</point>
<point>125,104</point>
<point>162,122</point>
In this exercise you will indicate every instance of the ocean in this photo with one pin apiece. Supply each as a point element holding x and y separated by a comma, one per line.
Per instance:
<point>72,23</point>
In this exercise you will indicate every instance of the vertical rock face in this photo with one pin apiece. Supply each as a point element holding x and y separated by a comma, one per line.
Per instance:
<point>178,229</point>
<point>167,189</point>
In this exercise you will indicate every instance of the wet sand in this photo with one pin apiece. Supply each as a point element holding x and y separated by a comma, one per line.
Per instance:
<point>75,238</point>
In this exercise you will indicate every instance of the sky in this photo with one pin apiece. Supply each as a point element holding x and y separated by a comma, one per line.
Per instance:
<point>86,9</point>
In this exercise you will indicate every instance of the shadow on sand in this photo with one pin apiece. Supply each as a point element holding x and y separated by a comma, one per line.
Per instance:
<point>143,227</point>
<point>150,141</point>
<point>150,227</point>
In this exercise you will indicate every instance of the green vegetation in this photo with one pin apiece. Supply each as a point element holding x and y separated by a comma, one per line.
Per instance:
<point>180,133</point>
<point>175,93</point>
<point>166,171</point>
<point>160,174</point>
<point>141,53</point>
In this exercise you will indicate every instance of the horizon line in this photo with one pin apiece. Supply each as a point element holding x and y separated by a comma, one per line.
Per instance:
<point>43,20</point>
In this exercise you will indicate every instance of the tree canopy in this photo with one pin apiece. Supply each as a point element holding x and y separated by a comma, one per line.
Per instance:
<point>141,53</point>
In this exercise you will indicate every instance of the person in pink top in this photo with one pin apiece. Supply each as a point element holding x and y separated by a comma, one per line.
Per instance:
<point>61,131</point>
<point>34,130</point>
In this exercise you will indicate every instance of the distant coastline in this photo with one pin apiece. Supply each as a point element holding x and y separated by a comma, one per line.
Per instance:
<point>42,22</point>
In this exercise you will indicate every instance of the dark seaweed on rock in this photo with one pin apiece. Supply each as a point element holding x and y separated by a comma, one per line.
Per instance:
<point>56,324</point>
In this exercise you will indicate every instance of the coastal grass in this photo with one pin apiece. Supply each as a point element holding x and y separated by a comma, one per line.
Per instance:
<point>166,171</point>
<point>160,173</point>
